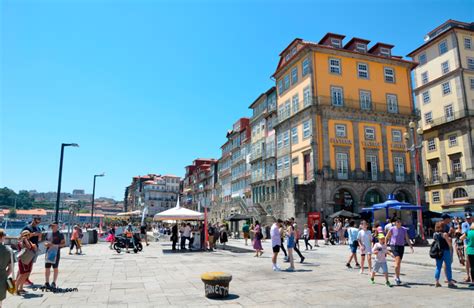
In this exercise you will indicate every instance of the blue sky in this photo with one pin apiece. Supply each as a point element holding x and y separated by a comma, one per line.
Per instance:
<point>148,86</point>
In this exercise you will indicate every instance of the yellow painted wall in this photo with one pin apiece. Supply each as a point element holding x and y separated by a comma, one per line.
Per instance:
<point>332,135</point>
<point>391,149</point>
<point>351,83</point>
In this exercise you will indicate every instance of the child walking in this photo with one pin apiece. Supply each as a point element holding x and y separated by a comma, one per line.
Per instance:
<point>380,250</point>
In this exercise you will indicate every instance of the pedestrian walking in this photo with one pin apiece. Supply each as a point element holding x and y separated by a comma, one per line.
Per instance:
<point>296,237</point>
<point>6,266</point>
<point>469,237</point>
<point>73,239</point>
<point>223,235</point>
<point>364,238</point>
<point>398,237</point>
<point>246,231</point>
<point>380,251</point>
<point>444,244</point>
<point>143,234</point>
<point>316,234</point>
<point>210,232</point>
<point>257,239</point>
<point>54,242</point>
<point>25,260</point>
<point>324,231</point>
<point>174,236</point>
<point>306,237</point>
<point>276,243</point>
<point>465,228</point>
<point>282,236</point>
<point>352,233</point>
<point>291,244</point>
<point>35,238</point>
<point>111,237</point>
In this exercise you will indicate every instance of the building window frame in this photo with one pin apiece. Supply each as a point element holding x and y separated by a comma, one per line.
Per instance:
<point>452,140</point>
<point>286,82</point>
<point>470,63</point>
<point>306,129</point>
<point>396,135</point>
<point>431,145</point>
<point>342,165</point>
<point>446,88</point>
<point>307,96</point>
<point>294,135</point>
<point>305,67</point>
<point>424,77</point>
<point>426,97</point>
<point>295,103</point>
<point>361,47</point>
<point>362,72</point>
<point>449,112</point>
<point>335,42</point>
<point>445,67</point>
<point>369,133</point>
<point>341,130</point>
<point>389,74</point>
<point>443,47</point>
<point>294,75</point>
<point>428,117</point>
<point>365,99</point>
<point>435,196</point>
<point>392,103</point>
<point>337,96</point>
<point>335,66</point>
<point>467,42</point>
<point>422,58</point>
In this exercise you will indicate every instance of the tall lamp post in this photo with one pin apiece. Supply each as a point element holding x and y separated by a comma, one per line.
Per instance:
<point>93,197</point>
<point>414,149</point>
<point>58,197</point>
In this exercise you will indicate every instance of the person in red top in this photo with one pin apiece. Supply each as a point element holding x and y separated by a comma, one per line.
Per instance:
<point>74,240</point>
<point>25,268</point>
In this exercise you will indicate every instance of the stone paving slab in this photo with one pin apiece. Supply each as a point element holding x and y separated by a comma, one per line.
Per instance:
<point>156,279</point>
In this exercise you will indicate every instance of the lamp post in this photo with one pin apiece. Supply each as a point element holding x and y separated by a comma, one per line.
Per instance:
<point>93,198</point>
<point>414,149</point>
<point>58,197</point>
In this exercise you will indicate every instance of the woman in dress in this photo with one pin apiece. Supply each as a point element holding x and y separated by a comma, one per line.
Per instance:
<point>257,239</point>
<point>24,268</point>
<point>6,266</point>
<point>290,235</point>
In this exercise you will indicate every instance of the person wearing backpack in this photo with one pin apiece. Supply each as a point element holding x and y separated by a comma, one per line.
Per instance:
<point>443,241</point>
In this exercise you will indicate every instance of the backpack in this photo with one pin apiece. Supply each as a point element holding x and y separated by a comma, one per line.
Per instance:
<point>435,250</point>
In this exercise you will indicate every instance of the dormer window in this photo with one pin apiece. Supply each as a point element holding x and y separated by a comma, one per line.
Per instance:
<point>335,42</point>
<point>361,47</point>
<point>287,57</point>
<point>385,52</point>
<point>293,51</point>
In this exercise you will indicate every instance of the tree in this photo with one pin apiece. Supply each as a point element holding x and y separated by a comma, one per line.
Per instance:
<point>12,213</point>
<point>7,196</point>
<point>24,200</point>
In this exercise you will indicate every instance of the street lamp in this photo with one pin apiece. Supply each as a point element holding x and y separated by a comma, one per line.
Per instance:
<point>56,214</point>
<point>414,149</point>
<point>93,196</point>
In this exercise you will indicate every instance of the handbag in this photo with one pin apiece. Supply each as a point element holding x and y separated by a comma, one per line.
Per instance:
<point>11,280</point>
<point>26,255</point>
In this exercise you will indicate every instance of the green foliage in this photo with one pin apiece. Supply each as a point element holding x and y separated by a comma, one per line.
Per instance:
<point>9,198</point>
<point>84,211</point>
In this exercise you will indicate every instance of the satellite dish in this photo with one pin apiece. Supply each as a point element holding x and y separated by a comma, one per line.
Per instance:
<point>427,38</point>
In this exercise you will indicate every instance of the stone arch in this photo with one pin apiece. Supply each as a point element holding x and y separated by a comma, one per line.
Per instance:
<point>373,195</point>
<point>344,197</point>
<point>403,194</point>
<point>459,193</point>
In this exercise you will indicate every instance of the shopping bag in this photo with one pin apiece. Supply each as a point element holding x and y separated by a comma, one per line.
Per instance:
<point>52,254</point>
<point>11,280</point>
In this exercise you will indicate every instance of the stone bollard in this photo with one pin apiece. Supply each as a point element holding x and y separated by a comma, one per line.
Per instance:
<point>216,284</point>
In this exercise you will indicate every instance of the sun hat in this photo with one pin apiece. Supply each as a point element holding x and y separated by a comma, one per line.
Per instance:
<point>380,235</point>
<point>25,233</point>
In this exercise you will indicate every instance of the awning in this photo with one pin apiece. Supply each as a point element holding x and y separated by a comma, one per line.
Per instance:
<point>179,213</point>
<point>344,213</point>
<point>133,213</point>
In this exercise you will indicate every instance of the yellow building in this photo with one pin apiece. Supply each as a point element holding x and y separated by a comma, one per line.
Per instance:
<point>444,91</point>
<point>342,114</point>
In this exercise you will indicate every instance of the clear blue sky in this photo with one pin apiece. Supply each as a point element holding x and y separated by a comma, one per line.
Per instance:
<point>148,86</point>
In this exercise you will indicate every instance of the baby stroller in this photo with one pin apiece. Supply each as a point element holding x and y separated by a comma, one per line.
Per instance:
<point>121,242</point>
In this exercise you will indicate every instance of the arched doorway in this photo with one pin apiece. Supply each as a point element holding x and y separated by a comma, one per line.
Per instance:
<point>344,200</point>
<point>403,196</point>
<point>373,197</point>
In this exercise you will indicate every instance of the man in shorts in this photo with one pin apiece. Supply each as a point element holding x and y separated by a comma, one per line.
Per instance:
<point>276,243</point>
<point>143,234</point>
<point>53,239</point>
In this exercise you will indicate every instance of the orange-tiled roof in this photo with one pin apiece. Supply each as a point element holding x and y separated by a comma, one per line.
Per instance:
<point>39,212</point>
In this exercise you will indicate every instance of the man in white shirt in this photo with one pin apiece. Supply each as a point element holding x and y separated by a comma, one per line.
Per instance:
<point>276,242</point>
<point>187,235</point>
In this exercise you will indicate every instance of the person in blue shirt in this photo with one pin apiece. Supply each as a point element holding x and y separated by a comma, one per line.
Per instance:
<point>352,233</point>
<point>465,229</point>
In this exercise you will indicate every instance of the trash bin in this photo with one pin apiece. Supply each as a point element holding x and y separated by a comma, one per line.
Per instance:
<point>95,238</point>
<point>216,284</point>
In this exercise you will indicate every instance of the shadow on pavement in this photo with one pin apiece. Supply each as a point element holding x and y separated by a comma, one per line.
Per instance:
<point>31,295</point>
<point>228,298</point>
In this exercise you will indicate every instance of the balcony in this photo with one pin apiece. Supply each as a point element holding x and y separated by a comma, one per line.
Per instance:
<point>457,176</point>
<point>433,180</point>
<point>380,107</point>
<point>446,119</point>
<point>255,156</point>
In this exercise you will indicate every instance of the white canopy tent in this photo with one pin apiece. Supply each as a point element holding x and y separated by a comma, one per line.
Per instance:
<point>133,213</point>
<point>179,213</point>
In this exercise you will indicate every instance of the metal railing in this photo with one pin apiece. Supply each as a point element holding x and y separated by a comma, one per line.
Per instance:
<point>433,180</point>
<point>449,118</point>
<point>382,107</point>
<point>457,176</point>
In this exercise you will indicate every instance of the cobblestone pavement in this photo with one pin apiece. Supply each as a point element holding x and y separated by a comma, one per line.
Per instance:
<point>158,278</point>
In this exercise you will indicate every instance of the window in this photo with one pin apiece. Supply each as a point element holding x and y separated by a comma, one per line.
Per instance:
<point>337,97</point>
<point>294,75</point>
<point>306,129</point>
<point>385,52</point>
<point>392,103</point>
<point>435,197</point>
<point>306,96</point>
<point>341,131</point>
<point>453,140</point>
<point>342,166</point>
<point>336,42</point>
<point>471,80</point>
<point>431,144</point>
<point>294,135</point>
<point>360,47</point>
<point>305,67</point>
<point>428,118</point>
<point>470,63</point>
<point>467,43</point>
<point>422,58</point>
<point>287,109</point>
<point>424,77</point>
<point>279,164</point>
<point>446,88</point>
<point>280,86</point>
<point>445,67</point>
<point>287,57</point>
<point>456,167</point>
<point>286,82</point>
<point>363,70</point>
<point>434,171</point>
<point>293,51</point>
<point>279,141</point>
<point>443,47</point>
<point>459,193</point>
<point>372,167</point>
<point>334,66</point>
<point>365,100</point>
<point>396,135</point>
<point>286,162</point>
<point>426,97</point>
<point>369,133</point>
<point>389,74</point>
<point>449,112</point>
<point>286,139</point>
<point>296,103</point>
